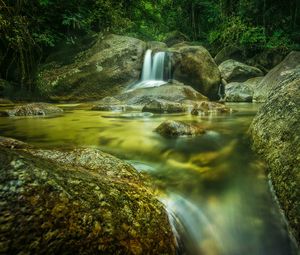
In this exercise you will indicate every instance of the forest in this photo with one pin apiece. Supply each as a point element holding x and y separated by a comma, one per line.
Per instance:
<point>30,29</point>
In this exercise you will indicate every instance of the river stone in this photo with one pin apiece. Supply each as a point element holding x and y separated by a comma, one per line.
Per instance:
<point>204,108</point>
<point>194,66</point>
<point>173,91</point>
<point>171,128</point>
<point>34,109</point>
<point>273,78</point>
<point>275,131</point>
<point>241,91</point>
<point>78,202</point>
<point>104,69</point>
<point>232,70</point>
<point>164,106</point>
<point>109,104</point>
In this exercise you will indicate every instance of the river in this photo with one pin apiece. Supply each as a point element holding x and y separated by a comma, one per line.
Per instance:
<point>213,186</point>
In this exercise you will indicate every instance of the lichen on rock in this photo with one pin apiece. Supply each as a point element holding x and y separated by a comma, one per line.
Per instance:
<point>82,201</point>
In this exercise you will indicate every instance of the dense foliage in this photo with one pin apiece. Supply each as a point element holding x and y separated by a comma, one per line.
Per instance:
<point>28,28</point>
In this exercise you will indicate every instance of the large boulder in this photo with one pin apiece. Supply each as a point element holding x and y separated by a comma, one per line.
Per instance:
<point>104,69</point>
<point>232,70</point>
<point>78,202</point>
<point>173,97</point>
<point>171,128</point>
<point>275,76</point>
<point>276,137</point>
<point>173,91</point>
<point>194,66</point>
<point>241,91</point>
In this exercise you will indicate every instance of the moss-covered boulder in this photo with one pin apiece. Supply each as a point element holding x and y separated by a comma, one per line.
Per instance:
<point>77,202</point>
<point>171,128</point>
<point>235,71</point>
<point>33,109</point>
<point>194,66</point>
<point>104,69</point>
<point>276,137</point>
<point>275,76</point>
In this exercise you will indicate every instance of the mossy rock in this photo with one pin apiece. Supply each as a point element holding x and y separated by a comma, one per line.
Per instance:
<point>194,66</point>
<point>276,137</point>
<point>171,128</point>
<point>78,202</point>
<point>108,66</point>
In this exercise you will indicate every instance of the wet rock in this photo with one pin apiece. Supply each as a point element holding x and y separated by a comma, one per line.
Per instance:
<point>275,131</point>
<point>232,70</point>
<point>11,143</point>
<point>109,104</point>
<point>78,202</point>
<point>34,109</point>
<point>171,128</point>
<point>241,91</point>
<point>173,91</point>
<point>204,108</point>
<point>164,106</point>
<point>105,68</point>
<point>273,78</point>
<point>194,66</point>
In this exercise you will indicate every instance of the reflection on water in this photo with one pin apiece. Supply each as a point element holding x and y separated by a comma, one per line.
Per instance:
<point>212,185</point>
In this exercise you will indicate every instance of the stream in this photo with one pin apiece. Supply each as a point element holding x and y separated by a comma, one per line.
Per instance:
<point>213,186</point>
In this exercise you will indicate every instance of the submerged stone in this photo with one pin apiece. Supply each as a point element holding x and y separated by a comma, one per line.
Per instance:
<point>78,202</point>
<point>203,108</point>
<point>171,128</point>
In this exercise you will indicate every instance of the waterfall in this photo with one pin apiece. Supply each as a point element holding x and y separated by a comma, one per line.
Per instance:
<point>155,70</point>
<point>147,66</point>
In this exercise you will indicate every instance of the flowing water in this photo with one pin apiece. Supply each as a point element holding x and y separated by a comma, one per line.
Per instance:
<point>214,188</point>
<point>155,71</point>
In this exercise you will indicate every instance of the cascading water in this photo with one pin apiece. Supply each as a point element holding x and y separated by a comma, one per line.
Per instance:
<point>155,70</point>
